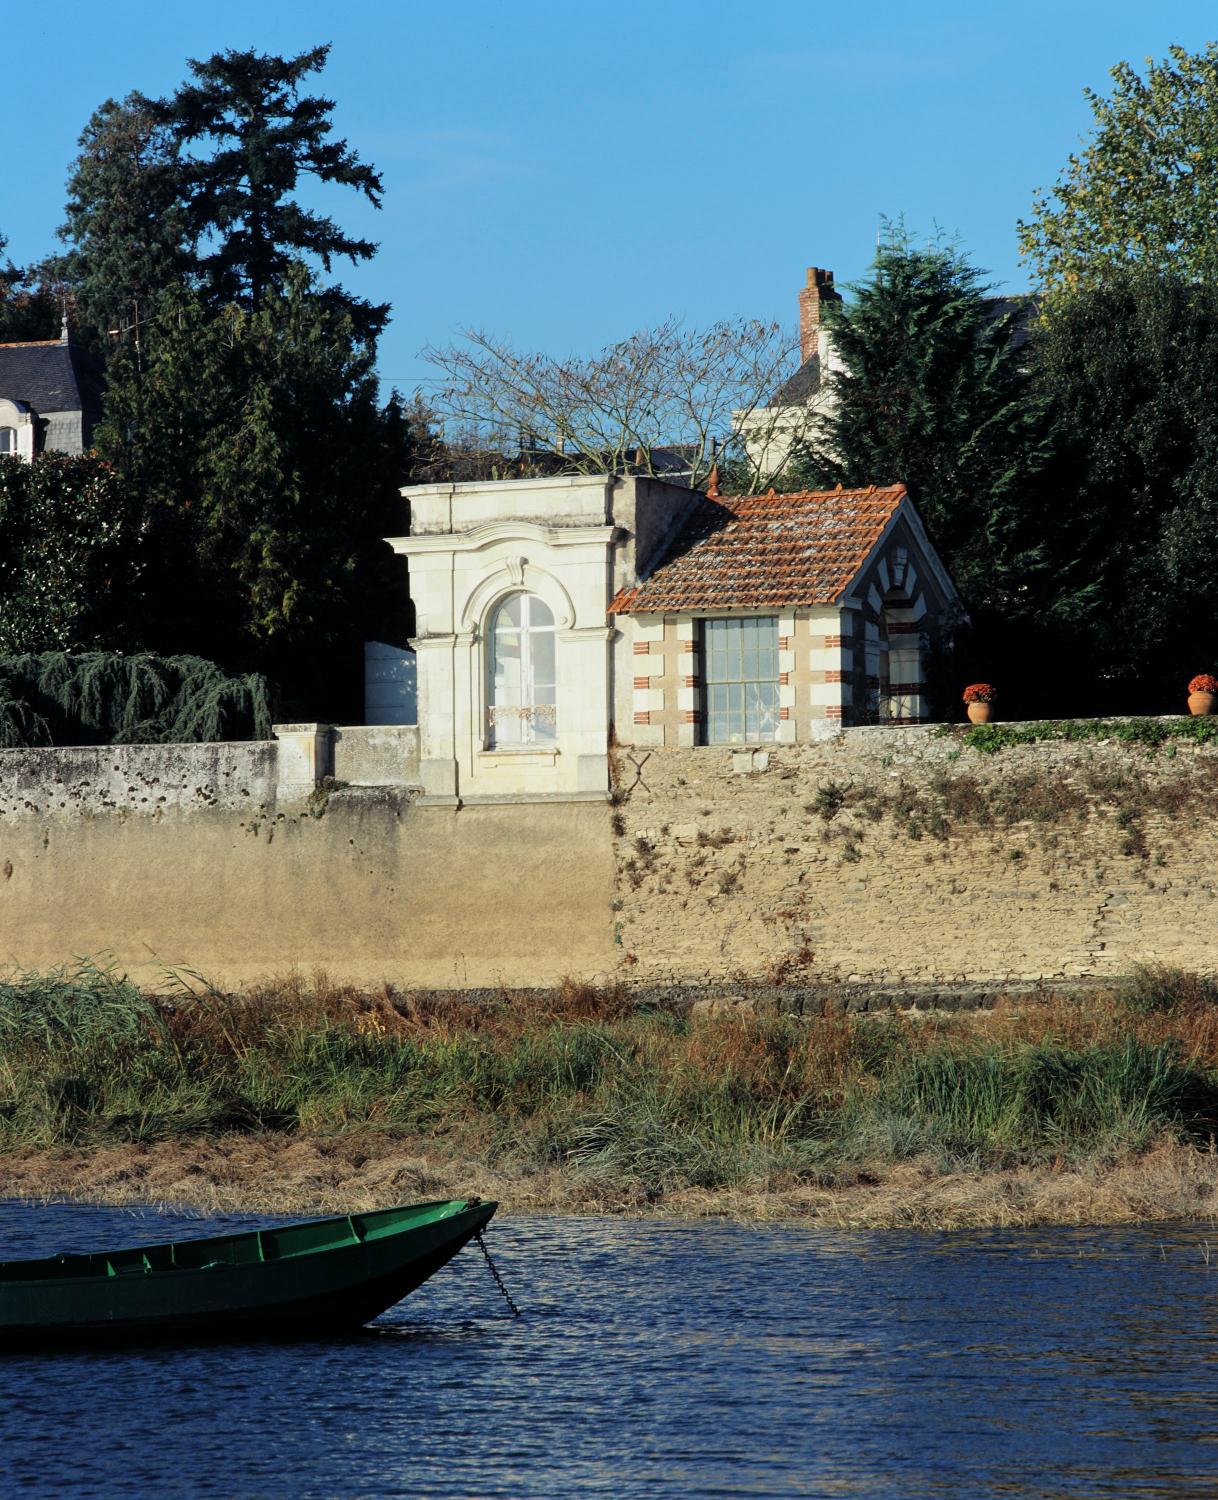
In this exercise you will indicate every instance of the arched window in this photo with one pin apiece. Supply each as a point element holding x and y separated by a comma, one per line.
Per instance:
<point>520,674</point>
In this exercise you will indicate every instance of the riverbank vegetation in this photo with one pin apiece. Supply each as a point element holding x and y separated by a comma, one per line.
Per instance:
<point>579,1097</point>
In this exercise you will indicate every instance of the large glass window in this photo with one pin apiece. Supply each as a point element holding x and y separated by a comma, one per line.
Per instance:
<point>521,707</point>
<point>740,673</point>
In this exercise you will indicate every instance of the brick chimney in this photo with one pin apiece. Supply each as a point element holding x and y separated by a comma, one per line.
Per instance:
<point>819,289</point>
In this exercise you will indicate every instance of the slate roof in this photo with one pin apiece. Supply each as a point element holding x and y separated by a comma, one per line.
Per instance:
<point>766,551</point>
<point>51,376</point>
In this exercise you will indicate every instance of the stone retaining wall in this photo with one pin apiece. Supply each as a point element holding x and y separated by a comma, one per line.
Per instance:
<point>897,857</point>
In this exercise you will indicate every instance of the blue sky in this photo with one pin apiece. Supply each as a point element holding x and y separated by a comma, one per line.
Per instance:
<point>563,174</point>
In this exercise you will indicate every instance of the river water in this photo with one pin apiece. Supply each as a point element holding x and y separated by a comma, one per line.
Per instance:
<point>660,1359</point>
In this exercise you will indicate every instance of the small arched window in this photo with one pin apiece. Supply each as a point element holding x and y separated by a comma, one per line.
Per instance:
<point>8,441</point>
<point>521,698</point>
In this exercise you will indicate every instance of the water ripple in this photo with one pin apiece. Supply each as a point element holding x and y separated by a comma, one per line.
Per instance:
<point>665,1359</point>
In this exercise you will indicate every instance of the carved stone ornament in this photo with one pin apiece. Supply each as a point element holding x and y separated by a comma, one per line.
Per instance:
<point>515,570</point>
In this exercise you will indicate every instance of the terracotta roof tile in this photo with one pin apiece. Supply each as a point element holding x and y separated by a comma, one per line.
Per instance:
<point>766,551</point>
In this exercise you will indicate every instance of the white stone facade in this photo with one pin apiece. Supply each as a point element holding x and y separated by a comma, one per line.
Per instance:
<point>569,542</point>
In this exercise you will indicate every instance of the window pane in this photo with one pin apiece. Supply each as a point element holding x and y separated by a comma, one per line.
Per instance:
<point>541,644</point>
<point>539,616</point>
<point>507,616</point>
<point>740,667</point>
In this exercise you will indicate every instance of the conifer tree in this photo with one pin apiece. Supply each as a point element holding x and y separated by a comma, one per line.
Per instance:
<point>937,391</point>
<point>271,473</point>
<point>1132,367</point>
<point>125,226</point>
<point>246,135</point>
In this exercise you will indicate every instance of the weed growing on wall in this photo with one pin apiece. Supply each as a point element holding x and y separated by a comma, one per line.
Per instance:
<point>989,739</point>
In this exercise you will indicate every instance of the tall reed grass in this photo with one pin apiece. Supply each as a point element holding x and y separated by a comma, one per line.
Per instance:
<point>584,1080</point>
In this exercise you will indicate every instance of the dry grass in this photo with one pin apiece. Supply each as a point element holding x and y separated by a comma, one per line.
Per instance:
<point>305,1175</point>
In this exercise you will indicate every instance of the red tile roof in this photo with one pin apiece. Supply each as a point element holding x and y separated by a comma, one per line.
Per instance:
<point>766,550</point>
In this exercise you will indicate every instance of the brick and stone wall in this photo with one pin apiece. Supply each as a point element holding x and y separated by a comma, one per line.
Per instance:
<point>895,857</point>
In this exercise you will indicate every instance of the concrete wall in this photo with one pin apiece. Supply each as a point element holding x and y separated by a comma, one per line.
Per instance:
<point>376,754</point>
<point>941,864</point>
<point>361,883</point>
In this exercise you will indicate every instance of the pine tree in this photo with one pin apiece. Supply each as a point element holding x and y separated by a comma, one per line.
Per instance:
<point>260,135</point>
<point>125,226</point>
<point>937,391</point>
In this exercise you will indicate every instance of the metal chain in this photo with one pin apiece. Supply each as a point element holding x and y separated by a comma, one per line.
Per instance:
<point>494,1270</point>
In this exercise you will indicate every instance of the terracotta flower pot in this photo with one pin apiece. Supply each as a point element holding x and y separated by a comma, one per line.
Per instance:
<point>1201,703</point>
<point>979,713</point>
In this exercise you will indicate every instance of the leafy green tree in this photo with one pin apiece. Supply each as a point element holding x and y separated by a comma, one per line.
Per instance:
<point>1144,190</point>
<point>31,304</point>
<point>71,555</point>
<point>113,698</point>
<point>260,135</point>
<point>270,473</point>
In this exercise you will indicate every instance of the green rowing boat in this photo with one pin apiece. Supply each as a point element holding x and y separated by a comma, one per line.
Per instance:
<point>298,1281</point>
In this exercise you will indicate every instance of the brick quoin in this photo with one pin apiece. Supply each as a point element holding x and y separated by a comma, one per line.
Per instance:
<point>690,716</point>
<point>642,682</point>
<point>784,642</point>
<point>833,711</point>
<point>835,640</point>
<point>835,676</point>
<point>784,713</point>
<point>642,648</point>
<point>643,717</point>
<point>688,647</point>
<point>689,682</point>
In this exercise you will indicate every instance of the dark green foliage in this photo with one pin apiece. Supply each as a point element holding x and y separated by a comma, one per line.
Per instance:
<point>935,393</point>
<point>31,305</point>
<point>270,474</point>
<point>71,555</point>
<point>126,226</point>
<point>1132,367</point>
<point>96,697</point>
<point>261,135</point>
<point>939,391</point>
<point>242,403</point>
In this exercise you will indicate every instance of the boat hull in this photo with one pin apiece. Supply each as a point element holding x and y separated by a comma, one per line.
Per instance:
<point>249,1286</point>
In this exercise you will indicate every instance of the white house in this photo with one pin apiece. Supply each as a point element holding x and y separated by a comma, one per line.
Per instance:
<point>555,615</point>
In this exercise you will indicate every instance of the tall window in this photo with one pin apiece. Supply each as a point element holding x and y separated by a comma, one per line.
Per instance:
<point>521,678</point>
<point>8,440</point>
<point>740,672</point>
